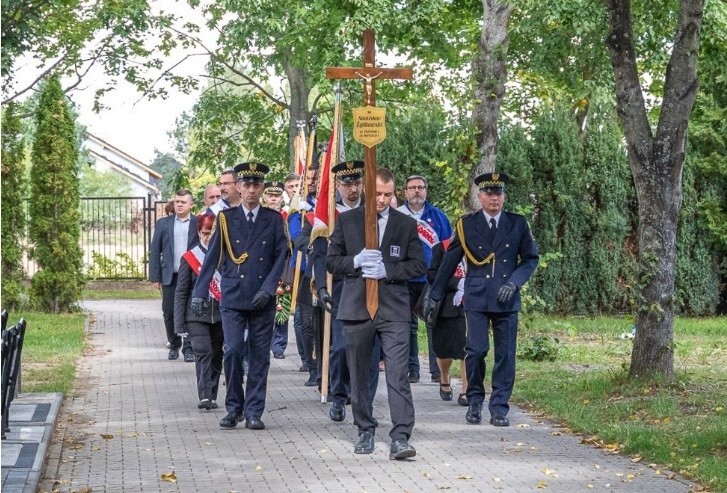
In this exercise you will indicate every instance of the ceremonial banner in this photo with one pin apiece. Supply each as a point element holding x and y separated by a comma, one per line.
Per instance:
<point>369,125</point>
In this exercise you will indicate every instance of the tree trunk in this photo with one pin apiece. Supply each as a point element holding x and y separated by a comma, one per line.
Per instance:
<point>656,165</point>
<point>298,108</point>
<point>489,70</point>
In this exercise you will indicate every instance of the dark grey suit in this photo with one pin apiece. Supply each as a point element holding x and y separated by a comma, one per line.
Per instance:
<point>403,259</point>
<point>161,267</point>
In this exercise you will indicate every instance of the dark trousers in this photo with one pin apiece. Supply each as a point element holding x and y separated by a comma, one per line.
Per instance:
<point>280,338</point>
<point>415,290</point>
<point>206,342</point>
<point>260,332</point>
<point>308,316</point>
<point>504,336</point>
<point>297,328</point>
<point>174,340</point>
<point>360,340</point>
<point>339,370</point>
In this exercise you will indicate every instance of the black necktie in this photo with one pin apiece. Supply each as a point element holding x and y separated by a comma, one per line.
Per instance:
<point>250,217</point>
<point>493,224</point>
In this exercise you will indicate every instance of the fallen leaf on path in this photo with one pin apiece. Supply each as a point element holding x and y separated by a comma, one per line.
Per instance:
<point>523,426</point>
<point>443,487</point>
<point>636,459</point>
<point>463,476</point>
<point>258,468</point>
<point>106,436</point>
<point>555,433</point>
<point>549,472</point>
<point>169,476</point>
<point>542,485</point>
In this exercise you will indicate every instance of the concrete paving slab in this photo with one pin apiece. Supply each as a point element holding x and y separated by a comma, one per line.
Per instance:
<point>132,420</point>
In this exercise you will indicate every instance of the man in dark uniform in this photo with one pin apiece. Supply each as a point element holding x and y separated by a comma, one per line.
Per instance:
<point>501,256</point>
<point>249,248</point>
<point>398,259</point>
<point>349,185</point>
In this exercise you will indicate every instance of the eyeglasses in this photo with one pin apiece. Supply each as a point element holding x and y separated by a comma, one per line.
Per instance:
<point>493,192</point>
<point>355,184</point>
<point>419,188</point>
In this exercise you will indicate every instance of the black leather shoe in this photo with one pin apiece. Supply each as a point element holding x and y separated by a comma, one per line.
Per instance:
<point>474,414</point>
<point>365,444</point>
<point>400,450</point>
<point>413,377</point>
<point>499,420</point>
<point>337,412</point>
<point>254,424</point>
<point>462,400</point>
<point>189,357</point>
<point>204,404</point>
<point>230,421</point>
<point>213,405</point>
<point>303,368</point>
<point>278,356</point>
<point>173,353</point>
<point>312,379</point>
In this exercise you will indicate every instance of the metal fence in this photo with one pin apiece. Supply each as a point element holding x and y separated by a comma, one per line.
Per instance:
<point>115,236</point>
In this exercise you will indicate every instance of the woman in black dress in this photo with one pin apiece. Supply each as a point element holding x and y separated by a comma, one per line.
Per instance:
<point>205,331</point>
<point>448,333</point>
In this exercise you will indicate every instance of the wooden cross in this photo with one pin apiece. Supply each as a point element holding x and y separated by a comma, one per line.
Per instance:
<point>369,73</point>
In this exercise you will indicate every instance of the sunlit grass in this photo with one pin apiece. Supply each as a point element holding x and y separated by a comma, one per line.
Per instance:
<point>53,344</point>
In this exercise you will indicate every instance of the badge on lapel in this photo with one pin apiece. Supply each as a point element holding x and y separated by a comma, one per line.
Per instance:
<point>394,251</point>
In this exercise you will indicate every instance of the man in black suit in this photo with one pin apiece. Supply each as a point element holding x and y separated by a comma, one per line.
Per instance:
<point>173,236</point>
<point>398,258</point>
<point>249,248</point>
<point>501,256</point>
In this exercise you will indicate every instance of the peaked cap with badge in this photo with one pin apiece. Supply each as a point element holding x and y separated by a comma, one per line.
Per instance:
<point>273,187</point>
<point>493,181</point>
<point>349,171</point>
<point>252,171</point>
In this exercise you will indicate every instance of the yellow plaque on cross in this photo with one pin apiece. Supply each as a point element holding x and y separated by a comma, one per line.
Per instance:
<point>369,125</point>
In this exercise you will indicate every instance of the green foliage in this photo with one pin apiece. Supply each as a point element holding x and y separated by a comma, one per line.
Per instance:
<point>54,229</point>
<point>94,183</point>
<point>539,348</point>
<point>168,167</point>
<point>124,266</point>
<point>127,38</point>
<point>13,217</point>
<point>697,272</point>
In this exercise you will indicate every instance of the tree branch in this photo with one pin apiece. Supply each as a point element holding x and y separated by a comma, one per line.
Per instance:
<point>680,83</point>
<point>36,80</point>
<point>629,96</point>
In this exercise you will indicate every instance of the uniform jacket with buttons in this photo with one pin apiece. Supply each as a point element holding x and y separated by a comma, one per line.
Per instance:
<point>515,260</point>
<point>267,247</point>
<point>403,259</point>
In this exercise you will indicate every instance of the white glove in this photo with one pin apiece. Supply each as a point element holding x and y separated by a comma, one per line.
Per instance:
<point>304,205</point>
<point>366,256</point>
<point>458,298</point>
<point>459,295</point>
<point>374,270</point>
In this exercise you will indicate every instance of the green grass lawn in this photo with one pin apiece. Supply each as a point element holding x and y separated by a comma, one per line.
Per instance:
<point>679,425</point>
<point>51,349</point>
<point>121,294</point>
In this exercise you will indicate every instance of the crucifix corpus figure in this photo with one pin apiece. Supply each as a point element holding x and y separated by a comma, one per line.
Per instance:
<point>369,73</point>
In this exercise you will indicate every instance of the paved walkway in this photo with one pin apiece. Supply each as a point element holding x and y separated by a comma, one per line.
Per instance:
<point>132,421</point>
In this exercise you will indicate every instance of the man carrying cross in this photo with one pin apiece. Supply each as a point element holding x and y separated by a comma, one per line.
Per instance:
<point>398,259</point>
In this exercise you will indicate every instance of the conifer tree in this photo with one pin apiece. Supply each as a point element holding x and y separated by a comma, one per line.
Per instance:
<point>13,218</point>
<point>54,228</point>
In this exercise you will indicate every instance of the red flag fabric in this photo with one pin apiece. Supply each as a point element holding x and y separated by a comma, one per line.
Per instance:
<point>320,223</point>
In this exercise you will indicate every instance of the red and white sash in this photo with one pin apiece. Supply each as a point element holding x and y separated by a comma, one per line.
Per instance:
<point>194,258</point>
